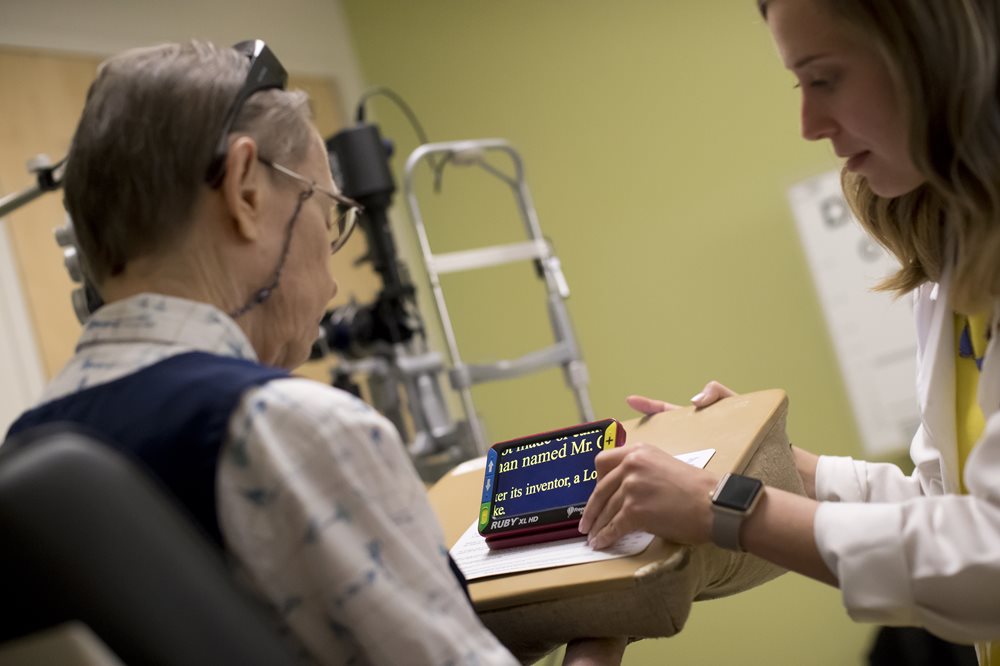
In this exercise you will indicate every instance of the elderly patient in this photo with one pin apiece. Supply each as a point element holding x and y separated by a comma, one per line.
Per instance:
<point>203,202</point>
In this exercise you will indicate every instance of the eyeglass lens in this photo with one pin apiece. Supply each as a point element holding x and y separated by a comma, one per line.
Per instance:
<point>345,219</point>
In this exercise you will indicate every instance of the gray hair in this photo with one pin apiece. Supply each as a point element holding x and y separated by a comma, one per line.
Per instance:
<point>144,142</point>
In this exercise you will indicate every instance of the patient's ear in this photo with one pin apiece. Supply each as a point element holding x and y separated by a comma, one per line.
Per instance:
<point>241,187</point>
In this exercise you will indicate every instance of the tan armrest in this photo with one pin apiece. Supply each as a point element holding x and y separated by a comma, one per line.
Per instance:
<point>71,644</point>
<point>649,594</point>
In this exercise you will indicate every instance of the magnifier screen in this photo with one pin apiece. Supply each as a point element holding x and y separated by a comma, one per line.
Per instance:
<point>544,479</point>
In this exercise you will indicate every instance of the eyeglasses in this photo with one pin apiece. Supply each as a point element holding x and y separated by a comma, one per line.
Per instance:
<point>343,215</point>
<point>265,73</point>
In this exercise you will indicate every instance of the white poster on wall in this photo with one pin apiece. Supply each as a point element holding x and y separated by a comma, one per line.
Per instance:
<point>872,332</point>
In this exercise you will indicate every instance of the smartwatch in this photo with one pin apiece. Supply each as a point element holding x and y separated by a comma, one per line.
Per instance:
<point>732,501</point>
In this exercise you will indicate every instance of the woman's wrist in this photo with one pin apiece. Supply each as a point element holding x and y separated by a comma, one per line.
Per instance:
<point>595,651</point>
<point>805,464</point>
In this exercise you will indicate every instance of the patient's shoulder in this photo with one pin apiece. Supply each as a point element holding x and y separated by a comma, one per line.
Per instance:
<point>302,417</point>
<point>308,397</point>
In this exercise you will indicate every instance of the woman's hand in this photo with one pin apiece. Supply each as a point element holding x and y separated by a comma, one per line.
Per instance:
<point>805,462</point>
<point>713,392</point>
<point>641,487</point>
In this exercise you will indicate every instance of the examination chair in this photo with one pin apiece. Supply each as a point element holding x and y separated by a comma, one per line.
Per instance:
<point>89,537</point>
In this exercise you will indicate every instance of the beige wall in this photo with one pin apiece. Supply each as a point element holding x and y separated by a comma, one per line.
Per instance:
<point>310,36</point>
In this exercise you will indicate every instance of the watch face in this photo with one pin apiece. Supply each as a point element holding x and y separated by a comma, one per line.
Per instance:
<point>738,492</point>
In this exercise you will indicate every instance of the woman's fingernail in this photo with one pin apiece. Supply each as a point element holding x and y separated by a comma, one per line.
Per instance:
<point>698,397</point>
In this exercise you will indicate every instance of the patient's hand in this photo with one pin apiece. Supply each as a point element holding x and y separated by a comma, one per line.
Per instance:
<point>713,392</point>
<point>595,651</point>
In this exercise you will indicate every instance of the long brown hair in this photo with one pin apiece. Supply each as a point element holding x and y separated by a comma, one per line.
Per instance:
<point>944,56</point>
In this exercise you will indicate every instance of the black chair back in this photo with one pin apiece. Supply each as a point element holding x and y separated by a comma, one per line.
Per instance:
<point>87,535</point>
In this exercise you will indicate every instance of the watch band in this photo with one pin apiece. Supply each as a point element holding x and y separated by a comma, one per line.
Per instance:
<point>726,528</point>
<point>734,498</point>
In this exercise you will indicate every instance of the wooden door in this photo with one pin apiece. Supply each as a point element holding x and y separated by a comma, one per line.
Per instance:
<point>44,96</point>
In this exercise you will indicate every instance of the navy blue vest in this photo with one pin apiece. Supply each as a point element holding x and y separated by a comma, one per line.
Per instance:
<point>172,416</point>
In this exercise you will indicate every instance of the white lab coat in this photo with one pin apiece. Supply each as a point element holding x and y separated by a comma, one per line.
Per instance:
<point>910,550</point>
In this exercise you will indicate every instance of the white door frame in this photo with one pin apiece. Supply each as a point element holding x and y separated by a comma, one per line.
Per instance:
<point>21,376</point>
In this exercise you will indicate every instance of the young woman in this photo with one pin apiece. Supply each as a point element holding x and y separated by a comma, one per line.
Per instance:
<point>906,91</point>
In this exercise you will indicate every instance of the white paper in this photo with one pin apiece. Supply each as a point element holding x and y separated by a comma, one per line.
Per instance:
<point>476,560</point>
<point>696,458</point>
<point>469,466</point>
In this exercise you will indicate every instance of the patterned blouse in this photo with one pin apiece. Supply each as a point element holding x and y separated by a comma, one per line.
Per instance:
<point>317,499</point>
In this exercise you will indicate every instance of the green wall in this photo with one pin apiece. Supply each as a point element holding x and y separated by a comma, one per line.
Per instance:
<point>660,138</point>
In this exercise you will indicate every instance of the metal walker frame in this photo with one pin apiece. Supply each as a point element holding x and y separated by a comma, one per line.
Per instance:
<point>564,352</point>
